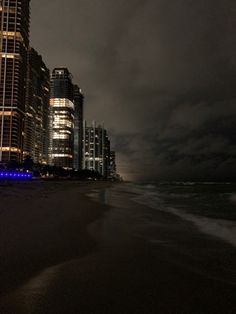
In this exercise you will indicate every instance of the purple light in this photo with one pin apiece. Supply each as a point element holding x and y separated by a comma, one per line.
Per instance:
<point>16,175</point>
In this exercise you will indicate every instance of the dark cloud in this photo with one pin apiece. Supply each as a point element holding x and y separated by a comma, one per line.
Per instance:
<point>161,74</point>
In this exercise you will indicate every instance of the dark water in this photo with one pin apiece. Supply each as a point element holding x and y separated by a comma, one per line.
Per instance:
<point>209,199</point>
<point>181,238</point>
<point>210,207</point>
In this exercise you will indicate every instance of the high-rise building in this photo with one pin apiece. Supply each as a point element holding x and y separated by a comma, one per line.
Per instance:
<point>107,151</point>
<point>78,130</point>
<point>14,42</point>
<point>36,138</point>
<point>62,112</point>
<point>96,148</point>
<point>112,164</point>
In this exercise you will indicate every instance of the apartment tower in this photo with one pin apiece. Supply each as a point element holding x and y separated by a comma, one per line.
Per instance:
<point>96,148</point>
<point>14,42</point>
<point>36,138</point>
<point>62,111</point>
<point>78,130</point>
<point>112,163</point>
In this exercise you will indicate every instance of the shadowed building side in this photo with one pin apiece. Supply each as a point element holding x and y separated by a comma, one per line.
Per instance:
<point>78,130</point>
<point>14,42</point>
<point>36,139</point>
<point>113,164</point>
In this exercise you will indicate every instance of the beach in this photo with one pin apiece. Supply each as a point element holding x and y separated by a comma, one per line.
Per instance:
<point>93,247</point>
<point>42,224</point>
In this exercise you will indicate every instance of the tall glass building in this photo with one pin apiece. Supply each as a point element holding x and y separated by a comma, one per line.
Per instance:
<point>112,163</point>
<point>96,149</point>
<point>14,42</point>
<point>78,130</point>
<point>62,112</point>
<point>36,138</point>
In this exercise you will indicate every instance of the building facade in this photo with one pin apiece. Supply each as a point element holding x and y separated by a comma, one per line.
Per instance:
<point>112,164</point>
<point>78,130</point>
<point>62,110</point>
<point>14,42</point>
<point>96,148</point>
<point>36,138</point>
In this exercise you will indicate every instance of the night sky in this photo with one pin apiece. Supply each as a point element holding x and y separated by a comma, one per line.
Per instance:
<point>160,74</point>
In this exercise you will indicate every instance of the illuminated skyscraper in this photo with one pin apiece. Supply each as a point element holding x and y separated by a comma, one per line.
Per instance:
<point>78,130</point>
<point>14,42</point>
<point>62,112</point>
<point>36,139</point>
<point>96,149</point>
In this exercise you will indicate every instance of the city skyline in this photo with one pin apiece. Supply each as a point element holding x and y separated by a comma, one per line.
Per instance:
<point>163,77</point>
<point>41,116</point>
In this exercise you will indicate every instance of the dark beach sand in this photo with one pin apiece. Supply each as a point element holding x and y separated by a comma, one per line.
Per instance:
<point>42,224</point>
<point>51,264</point>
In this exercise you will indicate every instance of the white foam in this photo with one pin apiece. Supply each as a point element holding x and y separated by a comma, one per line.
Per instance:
<point>223,229</point>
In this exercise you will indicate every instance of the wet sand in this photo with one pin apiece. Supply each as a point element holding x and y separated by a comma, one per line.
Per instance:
<point>51,264</point>
<point>42,224</point>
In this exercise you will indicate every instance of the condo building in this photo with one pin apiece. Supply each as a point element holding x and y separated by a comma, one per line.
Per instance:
<point>96,148</point>
<point>62,111</point>
<point>112,164</point>
<point>14,42</point>
<point>36,134</point>
<point>78,129</point>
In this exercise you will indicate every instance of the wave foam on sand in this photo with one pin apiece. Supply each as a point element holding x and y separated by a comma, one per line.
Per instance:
<point>223,229</point>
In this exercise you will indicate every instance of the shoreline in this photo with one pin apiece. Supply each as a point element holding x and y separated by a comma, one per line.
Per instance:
<point>125,258</point>
<point>39,231</point>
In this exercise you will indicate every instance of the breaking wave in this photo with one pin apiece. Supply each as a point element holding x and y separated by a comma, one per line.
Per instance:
<point>221,228</point>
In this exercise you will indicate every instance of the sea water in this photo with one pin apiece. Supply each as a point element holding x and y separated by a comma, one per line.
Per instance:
<point>209,206</point>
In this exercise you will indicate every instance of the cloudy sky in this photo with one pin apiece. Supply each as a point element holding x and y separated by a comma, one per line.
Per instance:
<point>161,74</point>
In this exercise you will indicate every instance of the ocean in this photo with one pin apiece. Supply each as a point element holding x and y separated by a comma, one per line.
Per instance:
<point>175,242</point>
<point>210,206</point>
